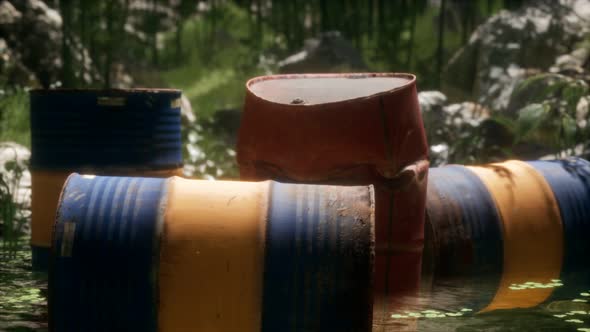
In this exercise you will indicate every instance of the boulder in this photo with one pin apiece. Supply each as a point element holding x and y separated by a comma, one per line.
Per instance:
<point>431,101</point>
<point>32,32</point>
<point>511,46</point>
<point>328,53</point>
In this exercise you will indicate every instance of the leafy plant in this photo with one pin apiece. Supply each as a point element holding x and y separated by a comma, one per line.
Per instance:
<point>12,210</point>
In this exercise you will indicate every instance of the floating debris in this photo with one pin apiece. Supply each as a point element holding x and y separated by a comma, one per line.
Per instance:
<point>454,314</point>
<point>533,285</point>
<point>577,321</point>
<point>579,300</point>
<point>585,294</point>
<point>397,316</point>
<point>430,312</point>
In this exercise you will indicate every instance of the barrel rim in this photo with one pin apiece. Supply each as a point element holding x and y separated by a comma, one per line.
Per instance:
<point>130,169</point>
<point>111,91</point>
<point>410,83</point>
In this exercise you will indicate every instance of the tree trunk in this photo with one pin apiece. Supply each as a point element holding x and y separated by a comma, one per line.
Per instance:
<point>441,37</point>
<point>410,53</point>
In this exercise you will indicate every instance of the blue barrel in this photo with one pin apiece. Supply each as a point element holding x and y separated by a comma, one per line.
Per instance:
<point>133,132</point>
<point>570,182</point>
<point>74,129</point>
<point>465,234</point>
<point>144,254</point>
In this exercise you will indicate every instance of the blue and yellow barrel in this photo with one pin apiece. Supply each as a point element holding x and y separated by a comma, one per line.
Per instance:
<point>570,182</point>
<point>146,254</point>
<point>110,132</point>
<point>464,234</point>
<point>512,234</point>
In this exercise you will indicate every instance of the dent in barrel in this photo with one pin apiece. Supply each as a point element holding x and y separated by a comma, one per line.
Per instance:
<point>105,253</point>
<point>319,259</point>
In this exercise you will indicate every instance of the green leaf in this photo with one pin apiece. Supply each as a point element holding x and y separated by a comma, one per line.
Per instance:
<point>529,119</point>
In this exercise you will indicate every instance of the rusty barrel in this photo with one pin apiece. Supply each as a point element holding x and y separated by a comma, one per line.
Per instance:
<point>111,132</point>
<point>347,129</point>
<point>509,235</point>
<point>147,254</point>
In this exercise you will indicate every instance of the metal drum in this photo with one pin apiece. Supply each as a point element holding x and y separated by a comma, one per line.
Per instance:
<point>111,132</point>
<point>347,129</point>
<point>144,254</point>
<point>508,235</point>
<point>465,237</point>
<point>570,182</point>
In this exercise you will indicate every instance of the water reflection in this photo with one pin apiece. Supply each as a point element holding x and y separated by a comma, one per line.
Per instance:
<point>23,294</point>
<point>446,305</point>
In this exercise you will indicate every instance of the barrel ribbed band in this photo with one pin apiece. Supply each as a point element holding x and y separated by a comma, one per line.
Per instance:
<point>105,254</point>
<point>532,232</point>
<point>125,128</point>
<point>46,186</point>
<point>319,259</point>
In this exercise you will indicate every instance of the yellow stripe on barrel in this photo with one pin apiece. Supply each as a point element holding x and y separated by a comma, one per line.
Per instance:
<point>532,232</point>
<point>212,256</point>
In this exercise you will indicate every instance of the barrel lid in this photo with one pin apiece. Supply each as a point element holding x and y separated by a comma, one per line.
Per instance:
<point>314,89</point>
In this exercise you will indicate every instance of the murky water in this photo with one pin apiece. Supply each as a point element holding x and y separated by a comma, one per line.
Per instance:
<point>23,294</point>
<point>23,307</point>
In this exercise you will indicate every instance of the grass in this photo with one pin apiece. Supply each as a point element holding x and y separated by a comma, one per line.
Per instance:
<point>14,117</point>
<point>216,62</point>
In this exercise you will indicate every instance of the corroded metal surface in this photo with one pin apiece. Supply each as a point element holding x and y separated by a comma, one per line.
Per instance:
<point>211,256</point>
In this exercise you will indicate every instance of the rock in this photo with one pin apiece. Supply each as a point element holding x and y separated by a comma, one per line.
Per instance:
<point>12,71</point>
<point>330,52</point>
<point>571,64</point>
<point>431,101</point>
<point>14,171</point>
<point>32,32</point>
<point>431,107</point>
<point>8,14</point>
<point>36,37</point>
<point>466,113</point>
<point>510,46</point>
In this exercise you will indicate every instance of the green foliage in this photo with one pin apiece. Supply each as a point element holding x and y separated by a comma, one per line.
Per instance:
<point>208,155</point>
<point>213,77</point>
<point>529,119</point>
<point>14,117</point>
<point>12,214</point>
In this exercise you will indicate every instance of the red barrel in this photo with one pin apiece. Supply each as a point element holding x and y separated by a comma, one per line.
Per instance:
<point>349,129</point>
